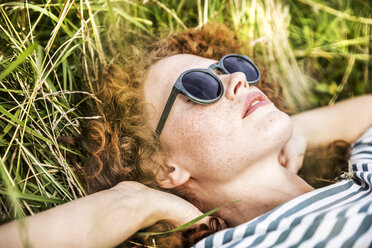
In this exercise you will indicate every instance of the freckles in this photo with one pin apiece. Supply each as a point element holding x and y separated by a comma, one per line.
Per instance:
<point>191,134</point>
<point>264,126</point>
<point>267,122</point>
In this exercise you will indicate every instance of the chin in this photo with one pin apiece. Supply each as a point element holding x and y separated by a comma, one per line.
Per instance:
<point>278,127</point>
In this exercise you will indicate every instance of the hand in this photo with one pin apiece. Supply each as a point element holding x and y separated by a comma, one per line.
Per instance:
<point>292,155</point>
<point>159,205</point>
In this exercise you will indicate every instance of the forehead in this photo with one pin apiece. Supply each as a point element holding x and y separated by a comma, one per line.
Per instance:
<point>171,67</point>
<point>162,75</point>
<point>167,70</point>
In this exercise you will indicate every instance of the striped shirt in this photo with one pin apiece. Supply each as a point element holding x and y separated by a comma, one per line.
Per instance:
<point>339,215</point>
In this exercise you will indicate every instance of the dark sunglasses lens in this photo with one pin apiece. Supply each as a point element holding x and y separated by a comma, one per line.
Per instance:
<point>235,64</point>
<point>201,85</point>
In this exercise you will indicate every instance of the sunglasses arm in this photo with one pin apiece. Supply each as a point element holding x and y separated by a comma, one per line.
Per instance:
<point>168,106</point>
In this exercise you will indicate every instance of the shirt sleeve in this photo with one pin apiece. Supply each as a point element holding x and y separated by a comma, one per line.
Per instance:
<point>361,159</point>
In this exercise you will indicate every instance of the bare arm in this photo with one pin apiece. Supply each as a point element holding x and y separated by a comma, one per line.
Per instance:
<point>103,219</point>
<point>346,120</point>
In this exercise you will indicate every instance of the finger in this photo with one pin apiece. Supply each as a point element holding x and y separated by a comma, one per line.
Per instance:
<point>184,212</point>
<point>282,159</point>
<point>294,164</point>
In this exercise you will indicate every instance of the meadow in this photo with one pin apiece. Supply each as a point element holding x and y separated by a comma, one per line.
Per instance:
<point>52,53</point>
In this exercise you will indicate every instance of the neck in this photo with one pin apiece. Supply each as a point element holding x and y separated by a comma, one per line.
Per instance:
<point>262,187</point>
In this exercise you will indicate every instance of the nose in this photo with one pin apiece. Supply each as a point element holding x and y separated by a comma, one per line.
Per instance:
<point>234,83</point>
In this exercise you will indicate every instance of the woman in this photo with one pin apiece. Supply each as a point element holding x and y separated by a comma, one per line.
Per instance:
<point>228,148</point>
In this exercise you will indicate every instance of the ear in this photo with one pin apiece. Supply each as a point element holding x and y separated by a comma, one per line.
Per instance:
<point>175,177</point>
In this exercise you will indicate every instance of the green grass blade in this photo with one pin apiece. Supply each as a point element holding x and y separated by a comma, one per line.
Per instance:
<point>17,62</point>
<point>31,197</point>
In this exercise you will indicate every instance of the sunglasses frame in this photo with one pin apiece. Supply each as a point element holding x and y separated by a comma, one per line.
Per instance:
<point>178,88</point>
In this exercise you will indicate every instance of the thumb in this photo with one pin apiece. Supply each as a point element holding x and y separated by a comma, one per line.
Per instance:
<point>282,159</point>
<point>295,163</point>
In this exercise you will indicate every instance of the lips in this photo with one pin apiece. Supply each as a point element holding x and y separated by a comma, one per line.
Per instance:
<point>254,100</point>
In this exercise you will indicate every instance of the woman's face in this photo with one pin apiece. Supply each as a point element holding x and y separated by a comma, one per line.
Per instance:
<point>214,142</point>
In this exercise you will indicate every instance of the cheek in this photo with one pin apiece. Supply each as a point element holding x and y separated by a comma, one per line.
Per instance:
<point>197,129</point>
<point>203,135</point>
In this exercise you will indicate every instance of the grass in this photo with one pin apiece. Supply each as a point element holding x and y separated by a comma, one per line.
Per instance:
<point>51,53</point>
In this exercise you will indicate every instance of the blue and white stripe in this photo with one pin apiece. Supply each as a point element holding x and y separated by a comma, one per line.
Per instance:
<point>339,215</point>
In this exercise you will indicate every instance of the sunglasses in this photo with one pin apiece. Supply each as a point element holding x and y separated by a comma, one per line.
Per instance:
<point>203,86</point>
